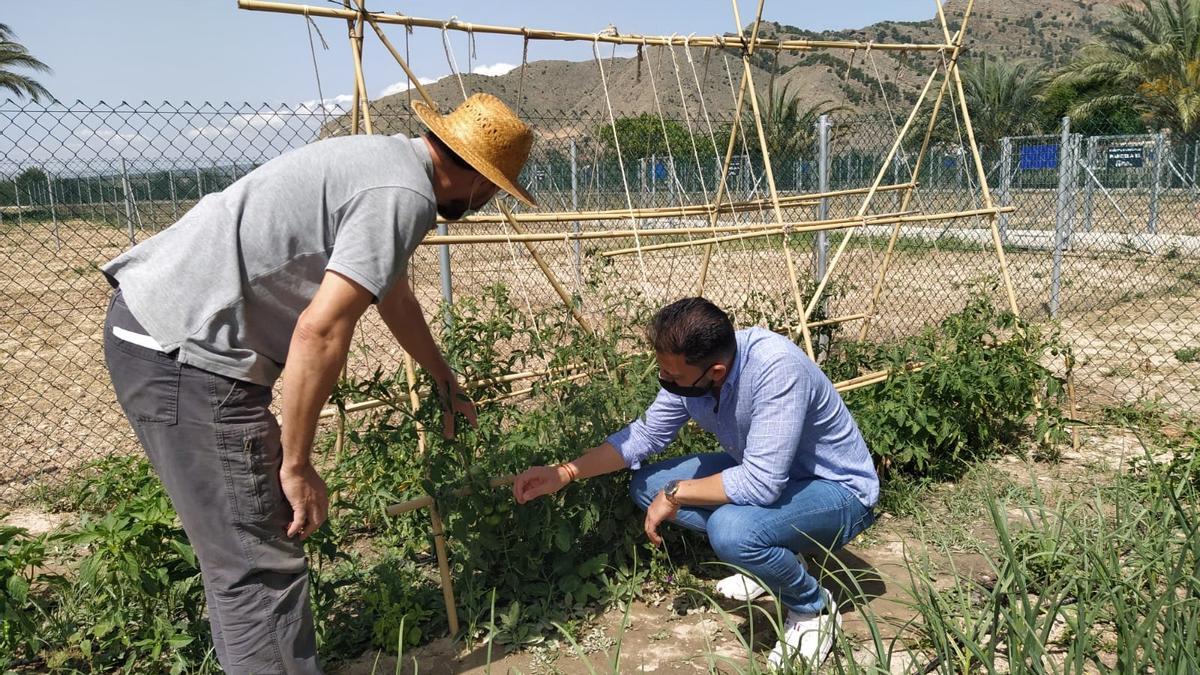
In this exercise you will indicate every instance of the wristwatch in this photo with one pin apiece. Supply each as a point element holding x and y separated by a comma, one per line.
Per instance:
<point>669,491</point>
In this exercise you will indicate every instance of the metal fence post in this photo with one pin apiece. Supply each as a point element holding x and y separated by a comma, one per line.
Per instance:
<point>1195,167</point>
<point>171,184</point>
<point>199,185</point>
<point>1160,154</point>
<point>1089,181</point>
<point>444,273</point>
<point>575,208</point>
<point>53,210</point>
<point>1005,191</point>
<point>128,207</point>
<point>1062,215</point>
<point>17,196</point>
<point>822,247</point>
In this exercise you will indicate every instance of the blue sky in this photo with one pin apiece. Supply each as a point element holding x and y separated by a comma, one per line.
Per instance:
<point>208,50</point>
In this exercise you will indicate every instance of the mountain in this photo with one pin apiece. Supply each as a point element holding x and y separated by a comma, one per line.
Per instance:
<point>1050,31</point>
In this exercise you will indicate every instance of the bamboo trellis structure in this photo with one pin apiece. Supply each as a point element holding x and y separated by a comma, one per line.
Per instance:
<point>707,215</point>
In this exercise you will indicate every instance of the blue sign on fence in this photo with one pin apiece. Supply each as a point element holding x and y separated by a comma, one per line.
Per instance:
<point>1039,157</point>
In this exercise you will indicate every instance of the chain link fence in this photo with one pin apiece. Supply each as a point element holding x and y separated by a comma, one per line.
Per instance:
<point>1104,240</point>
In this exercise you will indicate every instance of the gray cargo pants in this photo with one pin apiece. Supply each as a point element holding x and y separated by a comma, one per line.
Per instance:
<point>216,447</point>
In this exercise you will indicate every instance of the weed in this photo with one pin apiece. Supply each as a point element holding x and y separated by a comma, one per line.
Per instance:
<point>1188,354</point>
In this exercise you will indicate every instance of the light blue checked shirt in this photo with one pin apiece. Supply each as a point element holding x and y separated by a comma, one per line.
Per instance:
<point>778,415</point>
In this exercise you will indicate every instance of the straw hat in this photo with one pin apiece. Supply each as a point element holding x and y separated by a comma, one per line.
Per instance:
<point>488,135</point>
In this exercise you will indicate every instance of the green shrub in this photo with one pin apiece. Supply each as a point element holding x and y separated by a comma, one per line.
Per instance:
<point>23,607</point>
<point>135,600</point>
<point>981,384</point>
<point>544,561</point>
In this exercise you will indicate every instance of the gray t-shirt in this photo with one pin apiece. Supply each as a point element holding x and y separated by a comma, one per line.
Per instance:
<point>226,284</point>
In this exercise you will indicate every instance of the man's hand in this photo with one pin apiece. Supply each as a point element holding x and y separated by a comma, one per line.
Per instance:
<point>455,402</point>
<point>660,510</point>
<point>308,497</point>
<point>539,481</point>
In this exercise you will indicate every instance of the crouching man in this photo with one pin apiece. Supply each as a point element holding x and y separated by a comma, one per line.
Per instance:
<point>795,476</point>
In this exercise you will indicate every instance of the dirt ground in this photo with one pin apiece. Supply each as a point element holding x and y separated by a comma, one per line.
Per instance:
<point>1125,315</point>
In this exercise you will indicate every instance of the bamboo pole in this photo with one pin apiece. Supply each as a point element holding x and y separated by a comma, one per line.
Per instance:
<point>447,582</point>
<point>360,84</point>
<point>884,264</point>
<point>739,105</point>
<point>426,500</point>
<point>883,168</point>
<point>766,228</point>
<point>646,213</point>
<point>414,400</point>
<point>362,406</point>
<point>529,390</point>
<point>725,42</point>
<point>355,123</point>
<point>766,153</point>
<point>399,59</point>
<point>997,241</point>
<point>837,320</point>
<point>815,226</point>
<point>549,273</point>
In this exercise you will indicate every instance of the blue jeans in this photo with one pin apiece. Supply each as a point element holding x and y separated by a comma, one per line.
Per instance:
<point>809,517</point>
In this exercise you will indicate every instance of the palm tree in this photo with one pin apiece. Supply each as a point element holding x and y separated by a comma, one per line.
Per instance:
<point>14,55</point>
<point>790,127</point>
<point>1002,96</point>
<point>1148,61</point>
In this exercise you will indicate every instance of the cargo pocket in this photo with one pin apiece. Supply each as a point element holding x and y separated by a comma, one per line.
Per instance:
<point>253,455</point>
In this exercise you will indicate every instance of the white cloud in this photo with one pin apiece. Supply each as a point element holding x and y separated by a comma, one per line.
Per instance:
<point>403,86</point>
<point>337,104</point>
<point>494,69</point>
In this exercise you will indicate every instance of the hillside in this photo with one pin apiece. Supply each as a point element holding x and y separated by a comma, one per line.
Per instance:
<point>1048,31</point>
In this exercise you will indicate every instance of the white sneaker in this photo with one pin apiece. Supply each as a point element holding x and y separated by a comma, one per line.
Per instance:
<point>739,587</point>
<point>807,636</point>
<point>743,588</point>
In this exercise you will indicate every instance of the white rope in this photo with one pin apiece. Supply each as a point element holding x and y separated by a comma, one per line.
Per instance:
<point>612,120</point>
<point>687,118</point>
<point>666,139</point>
<point>712,136</point>
<point>662,123</point>
<point>524,62</point>
<point>512,252</point>
<point>450,56</point>
<point>408,59</point>
<point>312,48</point>
<point>755,194</point>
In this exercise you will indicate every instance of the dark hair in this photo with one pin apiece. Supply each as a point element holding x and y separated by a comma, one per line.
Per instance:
<point>448,152</point>
<point>693,328</point>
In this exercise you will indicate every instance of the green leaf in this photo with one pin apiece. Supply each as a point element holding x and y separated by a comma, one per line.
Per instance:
<point>564,536</point>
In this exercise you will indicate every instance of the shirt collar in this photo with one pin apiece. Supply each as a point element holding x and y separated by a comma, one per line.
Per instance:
<point>739,362</point>
<point>422,150</point>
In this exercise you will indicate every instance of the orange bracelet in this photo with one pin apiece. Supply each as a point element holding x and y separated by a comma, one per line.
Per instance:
<point>572,472</point>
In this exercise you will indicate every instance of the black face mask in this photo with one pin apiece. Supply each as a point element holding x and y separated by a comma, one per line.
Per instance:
<point>459,208</point>
<point>454,210</point>
<point>692,391</point>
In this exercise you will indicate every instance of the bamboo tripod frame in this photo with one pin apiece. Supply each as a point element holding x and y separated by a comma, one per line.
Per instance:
<point>949,51</point>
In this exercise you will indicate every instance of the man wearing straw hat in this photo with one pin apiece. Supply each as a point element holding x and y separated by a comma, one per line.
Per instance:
<point>277,269</point>
<point>795,476</point>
